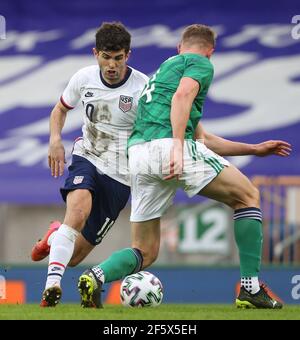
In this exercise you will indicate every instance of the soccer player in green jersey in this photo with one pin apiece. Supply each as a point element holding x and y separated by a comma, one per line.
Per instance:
<point>164,156</point>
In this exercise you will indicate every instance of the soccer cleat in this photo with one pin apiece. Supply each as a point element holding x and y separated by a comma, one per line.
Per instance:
<point>90,289</point>
<point>41,249</point>
<point>261,299</point>
<point>51,296</point>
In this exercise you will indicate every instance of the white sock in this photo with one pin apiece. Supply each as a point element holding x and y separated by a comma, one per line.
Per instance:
<point>251,284</point>
<point>61,251</point>
<point>51,237</point>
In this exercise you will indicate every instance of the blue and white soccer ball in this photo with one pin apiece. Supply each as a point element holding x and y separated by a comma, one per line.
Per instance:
<point>142,289</point>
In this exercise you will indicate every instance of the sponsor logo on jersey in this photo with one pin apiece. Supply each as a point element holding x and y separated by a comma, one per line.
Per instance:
<point>125,103</point>
<point>78,179</point>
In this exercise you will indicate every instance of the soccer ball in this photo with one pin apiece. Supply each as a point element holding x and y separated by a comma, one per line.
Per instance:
<point>142,289</point>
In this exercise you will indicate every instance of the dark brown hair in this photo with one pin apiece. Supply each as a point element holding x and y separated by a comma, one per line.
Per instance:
<point>199,35</point>
<point>112,36</point>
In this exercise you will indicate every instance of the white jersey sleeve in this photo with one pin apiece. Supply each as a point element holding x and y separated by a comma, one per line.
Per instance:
<point>71,94</point>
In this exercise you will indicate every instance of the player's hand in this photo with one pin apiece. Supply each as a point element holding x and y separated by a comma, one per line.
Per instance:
<point>273,147</point>
<point>176,161</point>
<point>56,158</point>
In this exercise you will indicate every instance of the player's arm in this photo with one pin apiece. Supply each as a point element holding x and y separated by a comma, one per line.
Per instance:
<point>181,106</point>
<point>225,147</point>
<point>56,154</point>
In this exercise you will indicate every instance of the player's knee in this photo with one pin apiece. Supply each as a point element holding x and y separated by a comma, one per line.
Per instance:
<point>79,215</point>
<point>256,196</point>
<point>252,197</point>
<point>78,208</point>
<point>249,197</point>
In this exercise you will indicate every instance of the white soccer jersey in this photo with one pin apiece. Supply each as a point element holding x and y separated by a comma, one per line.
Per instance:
<point>109,112</point>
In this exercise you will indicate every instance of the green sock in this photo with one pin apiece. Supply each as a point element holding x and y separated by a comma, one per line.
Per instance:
<point>120,264</point>
<point>248,236</point>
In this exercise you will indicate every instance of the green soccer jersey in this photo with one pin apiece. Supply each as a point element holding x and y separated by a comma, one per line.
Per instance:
<point>153,116</point>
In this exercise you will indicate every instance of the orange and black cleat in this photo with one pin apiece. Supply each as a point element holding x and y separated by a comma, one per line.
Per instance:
<point>261,299</point>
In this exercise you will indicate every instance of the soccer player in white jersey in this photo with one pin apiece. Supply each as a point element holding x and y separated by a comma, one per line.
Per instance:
<point>97,187</point>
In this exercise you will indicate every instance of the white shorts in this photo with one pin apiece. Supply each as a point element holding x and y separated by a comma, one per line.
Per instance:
<point>151,195</point>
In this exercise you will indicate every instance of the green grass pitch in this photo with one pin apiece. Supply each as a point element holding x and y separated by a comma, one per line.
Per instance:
<point>163,312</point>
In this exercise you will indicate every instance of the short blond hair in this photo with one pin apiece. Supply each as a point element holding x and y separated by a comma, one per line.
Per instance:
<point>198,34</point>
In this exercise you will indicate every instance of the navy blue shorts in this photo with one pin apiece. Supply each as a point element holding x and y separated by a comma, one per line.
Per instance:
<point>109,197</point>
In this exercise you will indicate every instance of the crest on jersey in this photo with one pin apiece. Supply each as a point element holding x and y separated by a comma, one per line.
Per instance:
<point>78,179</point>
<point>125,103</point>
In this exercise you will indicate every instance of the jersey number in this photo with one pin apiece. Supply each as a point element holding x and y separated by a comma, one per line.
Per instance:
<point>104,229</point>
<point>89,110</point>
<point>150,87</point>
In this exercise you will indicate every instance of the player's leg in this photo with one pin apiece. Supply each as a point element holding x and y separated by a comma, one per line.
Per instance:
<point>234,189</point>
<point>77,193</point>
<point>110,198</point>
<point>79,204</point>
<point>157,197</point>
<point>42,248</point>
<point>144,251</point>
<point>212,176</point>
<point>82,249</point>
<point>62,246</point>
<point>146,237</point>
